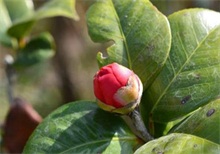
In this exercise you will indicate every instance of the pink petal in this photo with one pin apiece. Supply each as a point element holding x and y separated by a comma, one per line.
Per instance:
<point>121,73</point>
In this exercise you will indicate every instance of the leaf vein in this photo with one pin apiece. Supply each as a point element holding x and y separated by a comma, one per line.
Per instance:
<point>98,141</point>
<point>187,60</point>
<point>123,36</point>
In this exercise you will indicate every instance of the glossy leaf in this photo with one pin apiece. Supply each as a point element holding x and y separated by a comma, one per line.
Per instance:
<point>52,8</point>
<point>140,34</point>
<point>81,127</point>
<point>179,144</point>
<point>37,50</point>
<point>205,123</point>
<point>191,75</point>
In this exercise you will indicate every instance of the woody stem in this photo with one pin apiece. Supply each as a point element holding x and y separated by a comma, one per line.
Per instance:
<point>139,125</point>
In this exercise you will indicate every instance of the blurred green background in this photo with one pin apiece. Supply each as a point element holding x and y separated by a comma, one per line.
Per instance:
<point>68,75</point>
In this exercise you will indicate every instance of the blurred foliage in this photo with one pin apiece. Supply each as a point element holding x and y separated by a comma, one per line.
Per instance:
<point>25,54</point>
<point>167,7</point>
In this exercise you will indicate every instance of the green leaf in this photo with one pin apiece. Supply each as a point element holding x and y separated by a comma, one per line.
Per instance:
<point>140,34</point>
<point>51,9</point>
<point>57,8</point>
<point>204,123</point>
<point>81,127</point>
<point>179,144</point>
<point>191,75</point>
<point>5,22</point>
<point>37,50</point>
<point>18,9</point>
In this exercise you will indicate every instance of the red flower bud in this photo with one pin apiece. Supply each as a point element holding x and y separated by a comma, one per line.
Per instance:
<point>117,88</point>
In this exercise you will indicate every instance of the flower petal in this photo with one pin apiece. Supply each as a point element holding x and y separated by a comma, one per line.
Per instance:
<point>121,73</point>
<point>109,85</point>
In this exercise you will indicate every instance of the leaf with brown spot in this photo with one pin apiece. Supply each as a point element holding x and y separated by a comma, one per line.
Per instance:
<point>192,68</point>
<point>205,122</point>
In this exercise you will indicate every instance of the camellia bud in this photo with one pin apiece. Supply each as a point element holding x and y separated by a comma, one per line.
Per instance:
<point>117,88</point>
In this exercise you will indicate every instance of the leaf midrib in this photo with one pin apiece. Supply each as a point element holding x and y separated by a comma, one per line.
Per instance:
<point>122,34</point>
<point>180,70</point>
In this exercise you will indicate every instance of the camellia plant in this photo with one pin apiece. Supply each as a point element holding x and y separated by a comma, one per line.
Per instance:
<point>174,60</point>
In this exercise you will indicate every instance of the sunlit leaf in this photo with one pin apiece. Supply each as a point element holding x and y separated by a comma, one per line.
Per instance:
<point>5,22</point>
<point>204,122</point>
<point>179,144</point>
<point>81,127</point>
<point>139,32</point>
<point>50,9</point>
<point>191,75</point>
<point>18,9</point>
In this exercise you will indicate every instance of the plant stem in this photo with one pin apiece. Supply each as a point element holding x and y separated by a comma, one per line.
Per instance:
<point>9,74</point>
<point>139,125</point>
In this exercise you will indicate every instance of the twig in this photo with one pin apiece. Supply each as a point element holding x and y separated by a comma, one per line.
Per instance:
<point>139,125</point>
<point>10,75</point>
